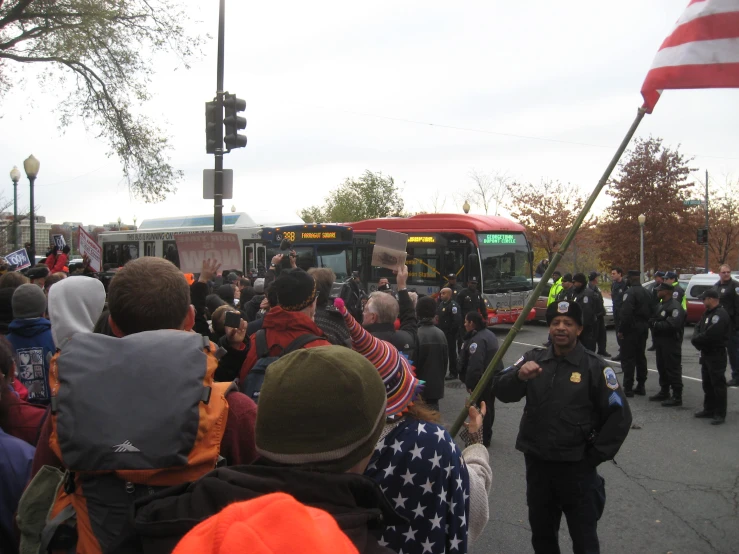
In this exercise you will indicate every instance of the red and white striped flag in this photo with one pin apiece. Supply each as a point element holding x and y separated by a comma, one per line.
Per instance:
<point>701,52</point>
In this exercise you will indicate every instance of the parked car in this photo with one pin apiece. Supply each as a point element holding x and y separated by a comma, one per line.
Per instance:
<point>540,308</point>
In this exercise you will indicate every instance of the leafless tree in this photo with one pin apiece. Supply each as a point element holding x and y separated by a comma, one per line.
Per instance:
<point>489,189</point>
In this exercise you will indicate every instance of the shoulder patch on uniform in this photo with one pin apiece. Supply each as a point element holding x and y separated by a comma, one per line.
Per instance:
<point>675,294</point>
<point>615,399</point>
<point>662,313</point>
<point>473,348</point>
<point>626,295</point>
<point>585,300</point>
<point>714,319</point>
<point>563,307</point>
<point>454,309</point>
<point>675,312</point>
<point>611,380</point>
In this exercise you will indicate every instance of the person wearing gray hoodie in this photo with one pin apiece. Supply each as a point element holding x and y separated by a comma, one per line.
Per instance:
<point>75,304</point>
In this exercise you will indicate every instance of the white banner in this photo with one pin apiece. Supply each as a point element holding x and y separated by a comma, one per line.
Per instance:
<point>92,249</point>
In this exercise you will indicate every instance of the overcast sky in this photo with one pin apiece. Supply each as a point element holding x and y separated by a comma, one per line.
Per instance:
<point>536,89</point>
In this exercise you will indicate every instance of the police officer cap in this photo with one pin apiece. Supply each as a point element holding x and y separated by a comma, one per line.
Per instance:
<point>593,275</point>
<point>579,278</point>
<point>659,274</point>
<point>567,278</point>
<point>570,309</point>
<point>451,276</point>
<point>472,280</point>
<point>634,273</point>
<point>665,286</point>
<point>38,273</point>
<point>670,275</point>
<point>710,293</point>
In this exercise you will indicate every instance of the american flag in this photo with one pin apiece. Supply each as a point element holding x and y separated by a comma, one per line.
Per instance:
<point>701,52</point>
<point>421,471</point>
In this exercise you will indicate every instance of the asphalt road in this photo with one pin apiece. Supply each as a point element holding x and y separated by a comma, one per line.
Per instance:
<point>674,488</point>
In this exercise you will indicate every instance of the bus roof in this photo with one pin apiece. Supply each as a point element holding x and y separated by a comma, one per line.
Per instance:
<point>439,222</point>
<point>238,219</point>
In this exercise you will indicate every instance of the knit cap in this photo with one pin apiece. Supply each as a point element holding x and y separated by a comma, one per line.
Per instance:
<point>320,408</point>
<point>401,385</point>
<point>270,524</point>
<point>296,290</point>
<point>29,301</point>
<point>570,309</point>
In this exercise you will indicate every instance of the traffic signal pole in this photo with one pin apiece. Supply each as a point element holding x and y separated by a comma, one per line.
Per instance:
<point>218,184</point>
<point>707,231</point>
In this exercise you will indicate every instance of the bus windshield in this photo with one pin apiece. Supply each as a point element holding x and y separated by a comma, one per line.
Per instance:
<point>504,259</point>
<point>335,258</point>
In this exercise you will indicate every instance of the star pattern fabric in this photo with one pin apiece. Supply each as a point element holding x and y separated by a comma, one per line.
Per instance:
<point>421,471</point>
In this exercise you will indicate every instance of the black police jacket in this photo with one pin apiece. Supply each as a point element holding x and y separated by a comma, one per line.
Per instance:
<point>450,317</point>
<point>587,301</point>
<point>575,409</point>
<point>617,294</point>
<point>728,297</point>
<point>668,321</point>
<point>472,301</point>
<point>712,332</point>
<point>566,295</point>
<point>600,307</point>
<point>477,352</point>
<point>635,310</point>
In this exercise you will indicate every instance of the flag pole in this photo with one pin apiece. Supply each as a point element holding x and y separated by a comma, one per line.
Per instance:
<point>487,377</point>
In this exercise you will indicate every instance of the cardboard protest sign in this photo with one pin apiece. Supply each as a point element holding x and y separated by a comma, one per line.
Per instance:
<point>89,247</point>
<point>59,241</point>
<point>19,259</point>
<point>194,248</point>
<point>389,251</point>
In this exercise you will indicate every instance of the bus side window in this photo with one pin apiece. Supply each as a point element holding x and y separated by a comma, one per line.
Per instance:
<point>150,248</point>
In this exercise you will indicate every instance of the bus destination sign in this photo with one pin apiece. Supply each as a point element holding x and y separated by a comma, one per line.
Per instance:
<point>421,239</point>
<point>498,238</point>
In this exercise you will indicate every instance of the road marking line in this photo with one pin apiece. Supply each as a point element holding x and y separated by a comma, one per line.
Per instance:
<point>615,362</point>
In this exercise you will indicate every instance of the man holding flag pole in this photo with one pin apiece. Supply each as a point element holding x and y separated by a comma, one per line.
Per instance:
<point>701,52</point>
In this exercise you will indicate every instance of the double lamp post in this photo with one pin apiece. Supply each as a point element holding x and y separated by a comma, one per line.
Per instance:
<point>31,166</point>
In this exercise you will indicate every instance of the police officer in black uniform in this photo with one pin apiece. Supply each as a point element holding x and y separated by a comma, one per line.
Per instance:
<point>575,418</point>
<point>471,300</point>
<point>633,331</point>
<point>452,284</point>
<point>586,299</point>
<point>659,278</point>
<point>568,292</point>
<point>480,346</point>
<point>711,337</point>
<point>618,289</point>
<point>600,314</point>
<point>728,297</point>
<point>667,326</point>
<point>449,320</point>
<point>678,292</point>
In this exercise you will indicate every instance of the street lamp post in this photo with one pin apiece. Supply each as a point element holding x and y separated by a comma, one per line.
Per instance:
<point>31,165</point>
<point>642,218</point>
<point>119,223</point>
<point>15,176</point>
<point>466,207</point>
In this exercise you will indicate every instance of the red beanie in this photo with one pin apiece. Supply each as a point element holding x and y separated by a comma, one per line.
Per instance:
<point>271,524</point>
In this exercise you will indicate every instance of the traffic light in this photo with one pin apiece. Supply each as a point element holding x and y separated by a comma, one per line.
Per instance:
<point>702,236</point>
<point>233,123</point>
<point>213,135</point>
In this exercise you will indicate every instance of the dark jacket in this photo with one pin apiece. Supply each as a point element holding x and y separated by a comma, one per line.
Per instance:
<point>355,501</point>
<point>617,295</point>
<point>404,339</point>
<point>198,294</point>
<point>600,307</point>
<point>432,359</point>
<point>668,321</point>
<point>728,297</point>
<point>472,301</point>
<point>712,332</point>
<point>575,409</point>
<point>477,352</point>
<point>32,342</point>
<point>450,317</point>
<point>15,471</point>
<point>251,308</point>
<point>566,295</point>
<point>635,310</point>
<point>331,322</point>
<point>587,301</point>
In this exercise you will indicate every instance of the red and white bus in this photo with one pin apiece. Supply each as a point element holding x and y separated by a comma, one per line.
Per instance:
<point>493,249</point>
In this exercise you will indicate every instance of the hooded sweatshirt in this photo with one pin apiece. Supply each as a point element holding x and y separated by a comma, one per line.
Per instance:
<point>75,304</point>
<point>34,346</point>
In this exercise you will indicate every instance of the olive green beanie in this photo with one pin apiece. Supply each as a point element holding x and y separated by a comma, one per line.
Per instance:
<point>320,408</point>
